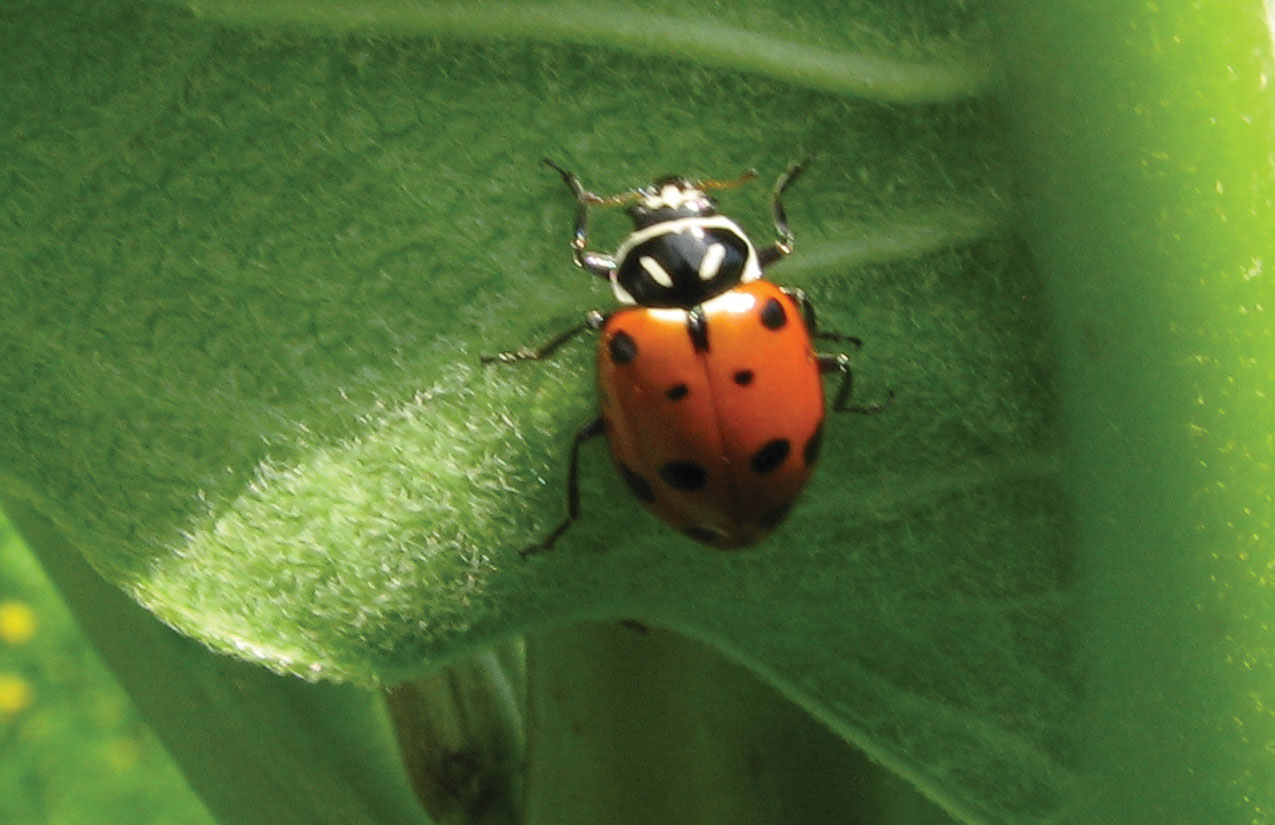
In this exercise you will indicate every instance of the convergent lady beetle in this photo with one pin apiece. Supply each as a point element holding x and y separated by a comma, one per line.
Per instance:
<point>710,390</point>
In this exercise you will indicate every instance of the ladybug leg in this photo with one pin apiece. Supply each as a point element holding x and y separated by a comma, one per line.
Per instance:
<point>593,429</point>
<point>836,363</point>
<point>594,321</point>
<point>783,245</point>
<point>812,323</point>
<point>597,263</point>
<point>841,403</point>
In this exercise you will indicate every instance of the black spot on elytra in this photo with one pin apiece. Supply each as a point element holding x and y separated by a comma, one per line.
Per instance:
<point>683,475</point>
<point>813,446</point>
<point>772,519</point>
<point>676,392</point>
<point>771,455</point>
<point>623,348</point>
<point>773,315</point>
<point>638,486</point>
<point>744,377</point>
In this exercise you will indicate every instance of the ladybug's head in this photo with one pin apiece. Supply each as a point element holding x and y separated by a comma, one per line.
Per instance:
<point>670,198</point>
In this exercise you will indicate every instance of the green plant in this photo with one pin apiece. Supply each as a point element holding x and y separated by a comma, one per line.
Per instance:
<point>72,747</point>
<point>253,253</point>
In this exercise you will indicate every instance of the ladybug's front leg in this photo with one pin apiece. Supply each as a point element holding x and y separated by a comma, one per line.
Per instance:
<point>595,428</point>
<point>783,244</point>
<point>594,321</point>
<point>598,263</point>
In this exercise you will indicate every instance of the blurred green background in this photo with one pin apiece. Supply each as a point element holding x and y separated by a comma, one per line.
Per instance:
<point>72,747</point>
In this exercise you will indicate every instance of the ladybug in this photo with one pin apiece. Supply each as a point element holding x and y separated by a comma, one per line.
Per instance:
<point>710,390</point>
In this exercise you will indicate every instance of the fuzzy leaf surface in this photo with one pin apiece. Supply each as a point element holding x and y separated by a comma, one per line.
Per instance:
<point>253,253</point>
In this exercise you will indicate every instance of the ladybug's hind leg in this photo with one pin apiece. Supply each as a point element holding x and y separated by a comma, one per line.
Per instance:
<point>593,429</point>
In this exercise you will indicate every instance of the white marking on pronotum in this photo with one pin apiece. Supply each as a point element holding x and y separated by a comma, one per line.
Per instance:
<point>657,272</point>
<point>677,225</point>
<point>711,262</point>
<point>621,294</point>
<point>695,225</point>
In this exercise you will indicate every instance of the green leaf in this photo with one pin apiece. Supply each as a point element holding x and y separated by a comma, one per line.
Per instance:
<point>253,252</point>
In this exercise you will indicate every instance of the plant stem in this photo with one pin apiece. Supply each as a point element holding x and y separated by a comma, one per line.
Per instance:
<point>639,726</point>
<point>1147,134</point>
<point>460,735</point>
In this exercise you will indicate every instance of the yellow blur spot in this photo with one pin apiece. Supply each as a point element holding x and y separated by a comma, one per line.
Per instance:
<point>17,622</point>
<point>15,693</point>
<point>123,753</point>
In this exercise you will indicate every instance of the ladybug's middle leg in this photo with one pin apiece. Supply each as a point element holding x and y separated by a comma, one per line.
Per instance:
<point>593,320</point>
<point>812,323</point>
<point>593,429</point>
<point>841,402</point>
<point>835,363</point>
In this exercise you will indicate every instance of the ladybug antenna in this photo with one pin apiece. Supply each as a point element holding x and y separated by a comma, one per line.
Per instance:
<point>615,200</point>
<point>585,196</point>
<point>705,185</point>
